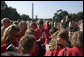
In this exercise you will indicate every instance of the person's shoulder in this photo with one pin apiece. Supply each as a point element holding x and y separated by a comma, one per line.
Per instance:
<point>36,30</point>
<point>61,52</point>
<point>3,45</point>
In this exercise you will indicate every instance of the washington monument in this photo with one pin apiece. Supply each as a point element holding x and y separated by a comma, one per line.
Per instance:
<point>32,12</point>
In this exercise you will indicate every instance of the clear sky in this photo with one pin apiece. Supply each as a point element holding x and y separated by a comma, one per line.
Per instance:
<point>45,9</point>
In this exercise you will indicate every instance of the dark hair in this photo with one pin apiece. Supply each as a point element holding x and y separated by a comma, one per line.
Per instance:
<point>26,43</point>
<point>53,30</point>
<point>40,22</point>
<point>63,33</point>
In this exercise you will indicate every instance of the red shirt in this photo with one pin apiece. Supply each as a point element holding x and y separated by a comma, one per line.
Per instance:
<point>39,33</point>
<point>53,53</point>
<point>47,27</point>
<point>75,51</point>
<point>20,35</point>
<point>49,54</point>
<point>37,50</point>
<point>4,46</point>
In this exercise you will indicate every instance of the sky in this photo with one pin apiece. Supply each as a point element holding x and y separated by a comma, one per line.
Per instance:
<point>45,9</point>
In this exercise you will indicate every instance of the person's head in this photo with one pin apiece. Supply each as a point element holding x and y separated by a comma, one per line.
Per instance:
<point>23,26</point>
<point>27,44</point>
<point>29,32</point>
<point>10,34</point>
<point>53,30</point>
<point>62,26</point>
<point>81,26</point>
<point>62,37</point>
<point>33,25</point>
<point>53,42</point>
<point>77,39</point>
<point>5,22</point>
<point>40,24</point>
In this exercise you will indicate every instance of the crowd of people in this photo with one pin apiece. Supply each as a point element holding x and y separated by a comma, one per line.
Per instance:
<point>40,38</point>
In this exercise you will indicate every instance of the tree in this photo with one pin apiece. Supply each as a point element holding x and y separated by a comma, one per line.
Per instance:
<point>59,15</point>
<point>3,5</point>
<point>80,15</point>
<point>25,17</point>
<point>9,12</point>
<point>76,17</point>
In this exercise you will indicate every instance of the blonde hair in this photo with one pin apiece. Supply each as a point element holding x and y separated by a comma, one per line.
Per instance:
<point>9,33</point>
<point>29,32</point>
<point>53,41</point>
<point>77,39</point>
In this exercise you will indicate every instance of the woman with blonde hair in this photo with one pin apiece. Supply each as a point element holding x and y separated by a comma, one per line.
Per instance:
<point>59,41</point>
<point>53,48</point>
<point>77,43</point>
<point>10,36</point>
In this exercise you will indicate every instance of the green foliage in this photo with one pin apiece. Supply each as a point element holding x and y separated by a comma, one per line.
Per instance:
<point>60,14</point>
<point>76,17</point>
<point>9,12</point>
<point>25,17</point>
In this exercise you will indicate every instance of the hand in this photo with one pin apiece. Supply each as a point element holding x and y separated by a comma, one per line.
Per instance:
<point>48,48</point>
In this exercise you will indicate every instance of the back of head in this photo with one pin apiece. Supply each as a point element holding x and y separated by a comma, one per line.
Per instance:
<point>5,22</point>
<point>26,43</point>
<point>77,39</point>
<point>5,19</point>
<point>22,25</point>
<point>63,33</point>
<point>40,22</point>
<point>53,30</point>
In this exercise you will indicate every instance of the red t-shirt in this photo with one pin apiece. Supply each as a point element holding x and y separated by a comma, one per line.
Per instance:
<point>47,27</point>
<point>53,53</point>
<point>36,52</point>
<point>75,51</point>
<point>49,54</point>
<point>39,33</point>
<point>20,35</point>
<point>4,46</point>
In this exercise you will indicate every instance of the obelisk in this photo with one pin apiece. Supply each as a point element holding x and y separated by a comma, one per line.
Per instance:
<point>32,12</point>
